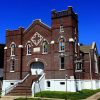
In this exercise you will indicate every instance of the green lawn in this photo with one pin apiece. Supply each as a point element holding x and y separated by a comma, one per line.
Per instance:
<point>63,95</point>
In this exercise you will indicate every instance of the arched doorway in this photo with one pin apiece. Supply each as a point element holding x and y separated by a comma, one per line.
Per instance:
<point>37,68</point>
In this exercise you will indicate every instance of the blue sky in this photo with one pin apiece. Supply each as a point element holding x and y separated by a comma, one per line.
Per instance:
<point>16,13</point>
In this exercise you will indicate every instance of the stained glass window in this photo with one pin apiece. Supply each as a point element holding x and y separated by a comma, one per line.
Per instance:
<point>61,44</point>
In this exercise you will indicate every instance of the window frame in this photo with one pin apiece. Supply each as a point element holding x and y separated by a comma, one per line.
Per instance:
<point>13,46</point>
<point>62,63</point>
<point>61,44</point>
<point>44,49</point>
<point>61,28</point>
<point>78,67</point>
<point>29,49</point>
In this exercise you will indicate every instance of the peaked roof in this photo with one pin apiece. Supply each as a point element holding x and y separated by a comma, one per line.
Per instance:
<point>37,22</point>
<point>85,49</point>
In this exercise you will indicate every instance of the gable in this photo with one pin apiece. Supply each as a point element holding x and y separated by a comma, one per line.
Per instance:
<point>36,33</point>
<point>37,22</point>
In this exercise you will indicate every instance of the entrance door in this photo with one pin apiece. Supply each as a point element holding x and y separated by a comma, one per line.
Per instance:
<point>37,68</point>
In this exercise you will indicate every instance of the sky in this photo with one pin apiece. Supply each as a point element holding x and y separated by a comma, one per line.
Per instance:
<point>16,13</point>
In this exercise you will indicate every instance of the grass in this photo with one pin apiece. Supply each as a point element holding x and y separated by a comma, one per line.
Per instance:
<point>69,95</point>
<point>27,99</point>
<point>63,95</point>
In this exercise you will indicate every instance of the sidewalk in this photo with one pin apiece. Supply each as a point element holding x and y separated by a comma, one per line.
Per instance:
<point>14,97</point>
<point>11,97</point>
<point>94,97</point>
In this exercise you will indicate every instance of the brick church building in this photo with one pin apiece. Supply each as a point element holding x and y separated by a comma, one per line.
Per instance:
<point>49,58</point>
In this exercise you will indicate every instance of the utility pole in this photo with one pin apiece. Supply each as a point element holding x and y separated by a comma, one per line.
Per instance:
<point>66,82</point>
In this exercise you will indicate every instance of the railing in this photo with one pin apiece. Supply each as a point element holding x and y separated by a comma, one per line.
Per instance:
<point>39,84</point>
<point>41,77</point>
<point>8,89</point>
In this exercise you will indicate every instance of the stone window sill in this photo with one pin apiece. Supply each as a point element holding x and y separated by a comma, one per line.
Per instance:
<point>62,69</point>
<point>12,71</point>
<point>28,54</point>
<point>45,53</point>
<point>78,70</point>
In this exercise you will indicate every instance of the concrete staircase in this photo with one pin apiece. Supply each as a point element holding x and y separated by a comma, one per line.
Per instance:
<point>23,88</point>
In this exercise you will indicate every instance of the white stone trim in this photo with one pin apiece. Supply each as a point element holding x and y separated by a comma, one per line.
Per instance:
<point>34,36</point>
<point>78,44</point>
<point>5,48</point>
<point>93,45</point>
<point>12,43</point>
<point>62,69</point>
<point>71,40</point>
<point>28,42</point>
<point>52,42</point>
<point>20,46</point>
<point>36,59</point>
<point>45,24</point>
<point>28,54</point>
<point>36,49</point>
<point>12,71</point>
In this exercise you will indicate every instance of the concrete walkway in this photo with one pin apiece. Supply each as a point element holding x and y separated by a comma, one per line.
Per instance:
<point>94,97</point>
<point>14,97</point>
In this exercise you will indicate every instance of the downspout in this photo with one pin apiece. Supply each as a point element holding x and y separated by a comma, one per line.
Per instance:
<point>91,72</point>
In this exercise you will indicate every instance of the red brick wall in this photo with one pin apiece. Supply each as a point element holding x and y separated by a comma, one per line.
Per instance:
<point>51,60</point>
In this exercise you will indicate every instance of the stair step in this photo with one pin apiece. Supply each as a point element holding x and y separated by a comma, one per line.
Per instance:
<point>20,90</point>
<point>23,88</point>
<point>21,94</point>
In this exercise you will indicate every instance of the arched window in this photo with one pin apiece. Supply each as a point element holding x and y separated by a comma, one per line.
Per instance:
<point>61,44</point>
<point>13,49</point>
<point>45,47</point>
<point>29,49</point>
<point>12,67</point>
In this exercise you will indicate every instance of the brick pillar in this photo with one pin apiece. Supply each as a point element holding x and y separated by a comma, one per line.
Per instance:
<point>5,63</point>
<point>20,56</point>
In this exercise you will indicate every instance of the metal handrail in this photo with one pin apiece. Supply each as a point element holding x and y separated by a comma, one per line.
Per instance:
<point>8,89</point>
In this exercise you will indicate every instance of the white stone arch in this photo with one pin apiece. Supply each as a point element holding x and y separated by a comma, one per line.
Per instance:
<point>37,70</point>
<point>12,47</point>
<point>28,46</point>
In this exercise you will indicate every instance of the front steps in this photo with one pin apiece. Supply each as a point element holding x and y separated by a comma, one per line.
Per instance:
<point>23,88</point>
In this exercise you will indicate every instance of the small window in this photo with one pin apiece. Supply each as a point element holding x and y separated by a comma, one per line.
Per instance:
<point>61,44</point>
<point>48,83</point>
<point>78,66</point>
<point>28,49</point>
<point>13,49</point>
<point>11,83</point>
<point>62,83</point>
<point>45,47</point>
<point>61,28</point>
<point>62,62</point>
